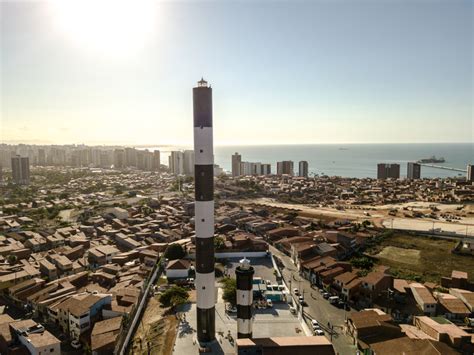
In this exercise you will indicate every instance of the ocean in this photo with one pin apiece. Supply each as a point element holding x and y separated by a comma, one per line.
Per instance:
<point>347,160</point>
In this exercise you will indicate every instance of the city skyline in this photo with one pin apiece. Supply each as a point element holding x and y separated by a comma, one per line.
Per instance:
<point>342,72</point>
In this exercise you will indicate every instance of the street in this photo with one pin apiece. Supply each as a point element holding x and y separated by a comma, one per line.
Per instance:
<point>317,307</point>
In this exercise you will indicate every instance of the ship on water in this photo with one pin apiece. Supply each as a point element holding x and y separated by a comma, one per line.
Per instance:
<point>432,159</point>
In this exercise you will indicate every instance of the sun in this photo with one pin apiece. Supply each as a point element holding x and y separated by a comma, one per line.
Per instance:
<point>107,26</point>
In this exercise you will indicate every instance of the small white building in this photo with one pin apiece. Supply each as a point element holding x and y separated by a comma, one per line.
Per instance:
<point>35,338</point>
<point>178,269</point>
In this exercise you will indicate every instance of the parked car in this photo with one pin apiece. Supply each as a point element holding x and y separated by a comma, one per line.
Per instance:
<point>314,323</point>
<point>333,300</point>
<point>76,344</point>
<point>292,310</point>
<point>269,303</point>
<point>296,292</point>
<point>326,295</point>
<point>318,332</point>
<point>230,309</point>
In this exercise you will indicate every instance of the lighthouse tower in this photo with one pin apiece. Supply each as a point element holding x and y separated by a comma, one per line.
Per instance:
<point>244,273</point>
<point>204,211</point>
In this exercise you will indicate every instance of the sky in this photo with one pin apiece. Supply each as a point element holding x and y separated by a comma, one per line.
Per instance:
<point>282,72</point>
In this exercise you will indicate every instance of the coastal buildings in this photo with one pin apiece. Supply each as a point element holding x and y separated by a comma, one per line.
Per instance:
<point>285,168</point>
<point>303,169</point>
<point>188,163</point>
<point>204,211</point>
<point>413,171</point>
<point>119,158</point>
<point>386,171</point>
<point>21,170</point>
<point>246,168</point>
<point>176,162</point>
<point>236,161</point>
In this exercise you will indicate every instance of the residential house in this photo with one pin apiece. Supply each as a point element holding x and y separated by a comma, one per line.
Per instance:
<point>424,298</point>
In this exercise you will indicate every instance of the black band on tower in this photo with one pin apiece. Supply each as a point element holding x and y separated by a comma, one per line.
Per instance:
<point>204,255</point>
<point>202,100</point>
<point>204,182</point>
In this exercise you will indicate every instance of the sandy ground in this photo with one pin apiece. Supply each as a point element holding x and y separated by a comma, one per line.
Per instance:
<point>407,256</point>
<point>379,215</point>
<point>156,332</point>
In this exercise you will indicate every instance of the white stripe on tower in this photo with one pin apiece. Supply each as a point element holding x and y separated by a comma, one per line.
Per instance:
<point>204,211</point>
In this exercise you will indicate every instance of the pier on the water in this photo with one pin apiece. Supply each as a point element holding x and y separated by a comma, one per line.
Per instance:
<point>443,167</point>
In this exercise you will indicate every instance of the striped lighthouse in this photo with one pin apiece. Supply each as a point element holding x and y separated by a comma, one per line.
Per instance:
<point>204,211</point>
<point>244,273</point>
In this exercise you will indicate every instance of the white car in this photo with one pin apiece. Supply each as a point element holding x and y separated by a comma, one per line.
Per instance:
<point>314,323</point>
<point>230,308</point>
<point>269,303</point>
<point>76,344</point>
<point>292,310</point>
<point>296,292</point>
<point>318,332</point>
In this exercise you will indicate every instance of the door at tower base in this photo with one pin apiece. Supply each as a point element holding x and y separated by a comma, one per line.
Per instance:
<point>206,324</point>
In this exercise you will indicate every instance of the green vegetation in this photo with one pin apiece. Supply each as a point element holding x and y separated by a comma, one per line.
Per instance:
<point>219,243</point>
<point>249,185</point>
<point>174,251</point>
<point>230,290</point>
<point>420,258</point>
<point>362,262</point>
<point>174,296</point>
<point>12,259</point>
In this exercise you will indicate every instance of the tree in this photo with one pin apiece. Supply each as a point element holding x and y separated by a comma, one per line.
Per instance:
<point>175,251</point>
<point>174,296</point>
<point>230,290</point>
<point>218,243</point>
<point>362,263</point>
<point>12,259</point>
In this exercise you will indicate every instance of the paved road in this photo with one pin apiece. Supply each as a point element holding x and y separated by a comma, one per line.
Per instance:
<point>318,307</point>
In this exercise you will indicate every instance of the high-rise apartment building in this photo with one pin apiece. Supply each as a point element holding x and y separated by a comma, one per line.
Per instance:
<point>176,163</point>
<point>285,168</point>
<point>266,169</point>
<point>130,157</point>
<point>41,157</point>
<point>156,160</point>
<point>236,161</point>
<point>119,158</point>
<point>21,170</point>
<point>188,164</point>
<point>385,171</point>
<point>303,168</point>
<point>413,171</point>
<point>470,173</point>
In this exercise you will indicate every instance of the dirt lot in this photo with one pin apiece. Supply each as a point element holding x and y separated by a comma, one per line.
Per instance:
<point>395,254</point>
<point>430,258</point>
<point>156,332</point>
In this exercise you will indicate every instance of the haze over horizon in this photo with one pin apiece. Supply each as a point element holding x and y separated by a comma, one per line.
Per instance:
<point>283,73</point>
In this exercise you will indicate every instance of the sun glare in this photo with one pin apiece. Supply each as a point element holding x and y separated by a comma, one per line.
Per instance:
<point>108,26</point>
